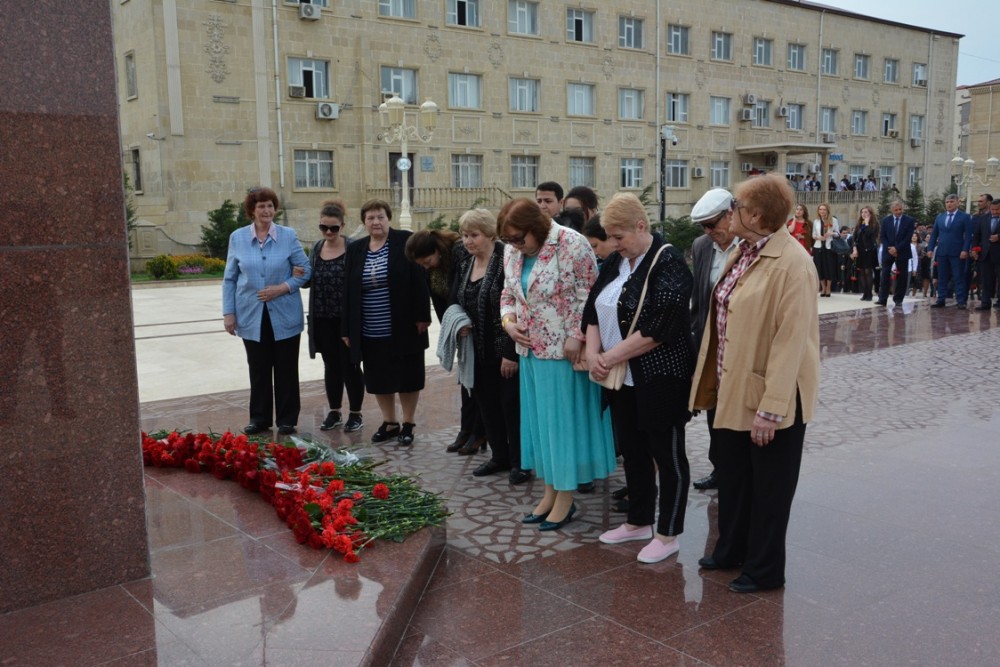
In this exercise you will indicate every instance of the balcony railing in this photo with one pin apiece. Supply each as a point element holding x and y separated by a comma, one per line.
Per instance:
<point>846,198</point>
<point>440,200</point>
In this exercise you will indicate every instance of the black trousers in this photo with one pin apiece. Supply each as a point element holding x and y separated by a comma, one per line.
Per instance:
<point>756,487</point>
<point>274,376</point>
<point>987,280</point>
<point>646,453</point>
<point>902,268</point>
<point>497,400</point>
<point>338,371</point>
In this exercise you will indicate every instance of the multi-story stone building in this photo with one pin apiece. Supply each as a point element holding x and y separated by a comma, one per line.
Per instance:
<point>220,95</point>
<point>978,137</point>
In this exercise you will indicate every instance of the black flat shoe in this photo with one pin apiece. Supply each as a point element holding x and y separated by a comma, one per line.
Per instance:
<point>586,487</point>
<point>460,440</point>
<point>707,482</point>
<point>620,494</point>
<point>490,467</point>
<point>556,525</point>
<point>386,431</point>
<point>743,584</point>
<point>473,445</point>
<point>621,506</point>
<point>286,430</point>
<point>253,428</point>
<point>518,476</point>
<point>405,437</point>
<point>709,563</point>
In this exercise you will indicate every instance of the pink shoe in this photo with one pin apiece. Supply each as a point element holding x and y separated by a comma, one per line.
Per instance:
<point>623,534</point>
<point>656,551</point>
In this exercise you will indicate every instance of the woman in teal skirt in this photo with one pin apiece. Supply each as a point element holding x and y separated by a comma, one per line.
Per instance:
<point>549,270</point>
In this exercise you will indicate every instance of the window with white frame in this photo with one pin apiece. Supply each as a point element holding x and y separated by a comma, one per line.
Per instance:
<point>318,3</point>
<point>856,172</point>
<point>720,173</point>
<point>629,32</point>
<point>722,46</point>
<point>582,171</point>
<point>797,57</point>
<point>916,127</point>
<point>579,99</point>
<point>464,91</point>
<point>463,13</point>
<point>793,169</point>
<point>579,25</point>
<point>466,171</point>
<point>888,123</point>
<point>522,17</point>
<point>859,122</point>
<point>136,170</point>
<point>830,65</point>
<point>862,66</point>
<point>827,119</point>
<point>405,9</point>
<point>920,75</point>
<point>131,79</point>
<point>677,40</point>
<point>886,177</point>
<point>762,113</point>
<point>523,171</point>
<point>913,176</point>
<point>310,74</point>
<point>524,94</point>
<point>630,103</point>
<point>796,112</point>
<point>891,74</point>
<point>401,81</point>
<point>719,113</point>
<point>677,107</point>
<point>763,51</point>
<point>631,173</point>
<point>313,169</point>
<point>676,175</point>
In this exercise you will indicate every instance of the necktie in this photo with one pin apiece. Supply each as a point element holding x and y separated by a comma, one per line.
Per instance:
<point>895,227</point>
<point>947,223</point>
<point>993,225</point>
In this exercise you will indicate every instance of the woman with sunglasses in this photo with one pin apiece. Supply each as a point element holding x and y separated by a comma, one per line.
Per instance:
<point>326,298</point>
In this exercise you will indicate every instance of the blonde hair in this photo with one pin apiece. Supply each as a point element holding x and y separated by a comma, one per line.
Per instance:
<point>623,211</point>
<point>479,220</point>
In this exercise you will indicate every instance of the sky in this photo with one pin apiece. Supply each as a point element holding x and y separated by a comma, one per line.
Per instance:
<point>978,20</point>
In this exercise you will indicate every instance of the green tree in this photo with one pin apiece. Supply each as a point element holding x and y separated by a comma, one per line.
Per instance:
<point>884,203</point>
<point>222,222</point>
<point>913,204</point>
<point>130,212</point>
<point>681,232</point>
<point>935,204</point>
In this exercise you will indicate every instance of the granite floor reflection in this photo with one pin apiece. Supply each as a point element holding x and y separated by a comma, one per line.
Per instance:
<point>894,532</point>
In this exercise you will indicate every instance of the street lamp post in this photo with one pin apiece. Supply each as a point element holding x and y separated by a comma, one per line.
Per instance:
<point>666,134</point>
<point>966,170</point>
<point>392,116</point>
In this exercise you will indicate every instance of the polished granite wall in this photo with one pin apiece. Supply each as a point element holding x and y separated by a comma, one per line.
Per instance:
<point>71,484</point>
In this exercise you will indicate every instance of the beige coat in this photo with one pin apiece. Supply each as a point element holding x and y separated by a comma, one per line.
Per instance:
<point>772,341</point>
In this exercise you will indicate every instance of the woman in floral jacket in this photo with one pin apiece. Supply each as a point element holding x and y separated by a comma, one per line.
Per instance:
<point>565,438</point>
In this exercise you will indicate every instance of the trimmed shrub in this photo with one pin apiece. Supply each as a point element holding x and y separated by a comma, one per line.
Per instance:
<point>162,267</point>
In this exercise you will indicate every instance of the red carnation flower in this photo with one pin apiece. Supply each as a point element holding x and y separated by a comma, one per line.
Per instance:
<point>381,491</point>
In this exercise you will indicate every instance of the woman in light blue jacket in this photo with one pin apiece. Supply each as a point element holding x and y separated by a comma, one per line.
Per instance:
<point>262,305</point>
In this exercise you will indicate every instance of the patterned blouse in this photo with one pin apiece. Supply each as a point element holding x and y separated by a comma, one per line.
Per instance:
<point>328,283</point>
<point>376,314</point>
<point>748,253</point>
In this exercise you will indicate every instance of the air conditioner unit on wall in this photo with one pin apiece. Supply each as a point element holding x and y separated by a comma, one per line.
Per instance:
<point>816,168</point>
<point>746,167</point>
<point>829,137</point>
<point>309,12</point>
<point>782,112</point>
<point>697,172</point>
<point>916,143</point>
<point>746,114</point>
<point>893,134</point>
<point>296,91</point>
<point>771,160</point>
<point>327,111</point>
<point>749,99</point>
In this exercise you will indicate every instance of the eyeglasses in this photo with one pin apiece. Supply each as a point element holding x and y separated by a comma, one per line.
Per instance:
<point>329,228</point>
<point>708,226</point>
<point>513,240</point>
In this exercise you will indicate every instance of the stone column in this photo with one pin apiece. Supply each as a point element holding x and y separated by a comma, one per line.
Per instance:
<point>72,505</point>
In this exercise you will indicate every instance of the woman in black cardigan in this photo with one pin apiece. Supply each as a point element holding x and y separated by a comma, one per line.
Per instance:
<point>385,319</point>
<point>650,410</point>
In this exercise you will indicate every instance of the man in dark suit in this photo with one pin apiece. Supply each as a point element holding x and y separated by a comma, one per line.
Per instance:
<point>986,249</point>
<point>949,245</point>
<point>897,229</point>
<point>714,212</point>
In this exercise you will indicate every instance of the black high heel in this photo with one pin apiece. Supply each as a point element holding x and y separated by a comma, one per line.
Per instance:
<point>556,525</point>
<point>534,518</point>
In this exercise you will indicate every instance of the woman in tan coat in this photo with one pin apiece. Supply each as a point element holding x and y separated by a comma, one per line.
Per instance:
<point>759,368</point>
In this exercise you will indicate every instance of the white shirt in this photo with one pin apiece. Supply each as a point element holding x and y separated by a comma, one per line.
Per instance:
<point>606,305</point>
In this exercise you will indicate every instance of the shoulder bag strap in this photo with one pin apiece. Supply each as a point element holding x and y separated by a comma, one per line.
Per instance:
<point>645,286</point>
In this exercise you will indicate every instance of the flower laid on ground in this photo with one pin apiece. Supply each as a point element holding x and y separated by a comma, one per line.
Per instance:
<point>329,499</point>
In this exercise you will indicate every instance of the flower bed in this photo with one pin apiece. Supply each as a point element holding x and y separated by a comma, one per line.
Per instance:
<point>329,499</point>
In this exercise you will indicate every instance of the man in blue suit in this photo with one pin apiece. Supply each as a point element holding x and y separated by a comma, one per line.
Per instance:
<point>897,229</point>
<point>949,245</point>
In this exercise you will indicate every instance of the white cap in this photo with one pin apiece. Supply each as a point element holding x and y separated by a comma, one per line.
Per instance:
<point>712,204</point>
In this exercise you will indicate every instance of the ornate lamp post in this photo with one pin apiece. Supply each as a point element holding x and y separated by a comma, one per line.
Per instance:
<point>392,116</point>
<point>965,170</point>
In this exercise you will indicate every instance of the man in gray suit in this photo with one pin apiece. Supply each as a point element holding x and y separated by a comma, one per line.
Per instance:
<point>714,212</point>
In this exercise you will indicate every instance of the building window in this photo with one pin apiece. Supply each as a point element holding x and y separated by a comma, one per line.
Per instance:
<point>131,80</point>
<point>464,91</point>
<point>920,75</point>
<point>630,104</point>
<point>891,70</point>
<point>318,3</point>
<point>404,9</point>
<point>722,46</point>
<point>912,177</point>
<point>524,94</point>
<point>582,172</point>
<point>793,169</point>
<point>862,66</point>
<point>313,169</point>
<point>136,170</point>
<point>463,12</point>
<point>523,172</point>
<point>719,113</point>
<point>827,119</point>
<point>797,57</point>
<point>629,32</point>
<point>580,99</point>
<point>795,116</point>
<point>886,177</point>
<point>762,51</point>
<point>677,40</point>
<point>631,173</point>
<point>916,127</point>
<point>522,17</point>
<point>677,107</point>
<point>402,82</point>
<point>857,173</point>
<point>762,114</point>
<point>466,171</point>
<point>859,122</point>
<point>888,123</point>
<point>830,66</point>
<point>676,174</point>
<point>311,75</point>
<point>720,174</point>
<point>579,26</point>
